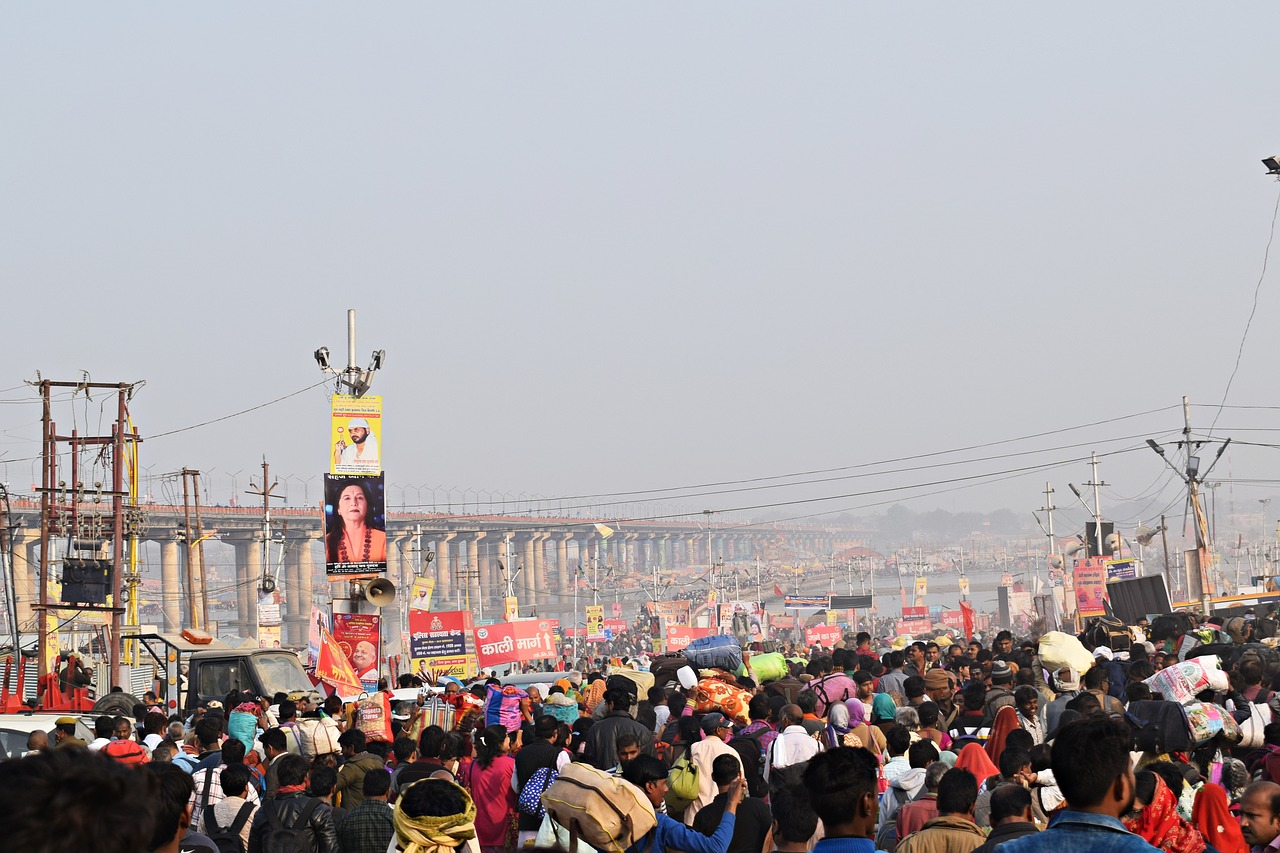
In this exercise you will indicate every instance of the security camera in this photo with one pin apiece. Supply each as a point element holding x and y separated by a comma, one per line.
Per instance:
<point>322,358</point>
<point>379,356</point>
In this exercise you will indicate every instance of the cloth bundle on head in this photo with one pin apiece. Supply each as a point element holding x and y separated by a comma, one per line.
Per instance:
<point>431,833</point>
<point>1103,652</point>
<point>1068,683</point>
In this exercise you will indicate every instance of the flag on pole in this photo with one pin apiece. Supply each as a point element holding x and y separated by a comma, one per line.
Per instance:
<point>777,590</point>
<point>604,530</point>
<point>966,615</point>
<point>334,668</point>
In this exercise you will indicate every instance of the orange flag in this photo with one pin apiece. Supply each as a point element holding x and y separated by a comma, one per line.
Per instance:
<point>334,668</point>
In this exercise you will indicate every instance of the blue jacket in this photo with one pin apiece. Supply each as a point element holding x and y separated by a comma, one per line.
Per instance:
<point>671,834</point>
<point>1080,832</point>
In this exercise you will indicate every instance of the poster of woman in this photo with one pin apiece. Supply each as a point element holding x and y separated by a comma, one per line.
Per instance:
<point>355,539</point>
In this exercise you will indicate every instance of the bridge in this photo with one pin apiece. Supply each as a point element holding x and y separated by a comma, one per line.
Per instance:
<point>466,548</point>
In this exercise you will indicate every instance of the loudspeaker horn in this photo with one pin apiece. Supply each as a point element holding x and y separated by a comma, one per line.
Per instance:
<point>380,593</point>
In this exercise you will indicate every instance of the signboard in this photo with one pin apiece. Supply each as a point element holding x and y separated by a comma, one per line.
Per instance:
<point>420,593</point>
<point>964,586</point>
<point>355,435</point>
<point>800,602</point>
<point>1121,570</point>
<point>676,611</point>
<point>512,642</point>
<point>319,622</point>
<point>915,613</point>
<point>824,635</point>
<point>617,610</point>
<point>355,539</point>
<point>922,586</point>
<point>268,611</point>
<point>595,621</point>
<point>617,626</point>
<point>915,620</point>
<point>850,602</point>
<point>1090,586</point>
<point>831,616</point>
<point>268,636</point>
<point>953,618</point>
<point>357,634</point>
<point>461,667</point>
<point>680,636</point>
<point>438,641</point>
<point>510,609</point>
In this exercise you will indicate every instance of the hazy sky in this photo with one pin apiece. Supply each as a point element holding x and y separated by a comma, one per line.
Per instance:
<point>613,248</point>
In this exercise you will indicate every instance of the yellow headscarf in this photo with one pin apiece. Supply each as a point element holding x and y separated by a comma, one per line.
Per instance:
<point>429,834</point>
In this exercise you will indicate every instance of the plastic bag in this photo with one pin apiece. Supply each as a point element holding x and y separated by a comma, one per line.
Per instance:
<point>372,715</point>
<point>769,667</point>
<point>1181,682</point>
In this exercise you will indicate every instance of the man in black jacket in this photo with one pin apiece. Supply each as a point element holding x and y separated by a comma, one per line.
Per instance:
<point>1010,816</point>
<point>291,809</point>
<point>536,754</point>
<point>602,750</point>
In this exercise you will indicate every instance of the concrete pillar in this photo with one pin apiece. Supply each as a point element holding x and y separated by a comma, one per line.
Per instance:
<point>171,595</point>
<point>443,572</point>
<point>528,558</point>
<point>248,588</point>
<point>470,571</point>
<point>539,580</point>
<point>563,570</point>
<point>26,571</point>
<point>306,584</point>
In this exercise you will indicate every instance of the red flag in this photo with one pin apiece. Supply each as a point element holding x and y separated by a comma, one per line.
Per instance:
<point>777,590</point>
<point>333,666</point>
<point>966,614</point>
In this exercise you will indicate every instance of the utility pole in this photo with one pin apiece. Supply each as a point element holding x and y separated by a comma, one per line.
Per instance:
<point>195,548</point>
<point>1194,477</point>
<point>1097,507</point>
<point>267,581</point>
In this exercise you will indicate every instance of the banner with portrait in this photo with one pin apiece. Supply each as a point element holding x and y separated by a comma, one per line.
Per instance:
<point>420,593</point>
<point>595,621</point>
<point>438,642</point>
<point>1090,586</point>
<point>355,523</point>
<point>358,635</point>
<point>355,440</point>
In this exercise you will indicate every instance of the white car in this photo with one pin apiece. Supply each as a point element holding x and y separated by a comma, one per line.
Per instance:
<point>15,728</point>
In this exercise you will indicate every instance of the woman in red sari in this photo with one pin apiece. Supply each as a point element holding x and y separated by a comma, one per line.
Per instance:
<point>1211,816</point>
<point>1158,822</point>
<point>1006,721</point>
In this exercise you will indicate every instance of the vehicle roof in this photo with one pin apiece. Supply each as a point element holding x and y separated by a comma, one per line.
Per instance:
<point>179,642</point>
<point>42,722</point>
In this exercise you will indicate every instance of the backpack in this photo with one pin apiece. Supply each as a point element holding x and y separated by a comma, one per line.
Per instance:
<point>1159,726</point>
<point>887,837</point>
<point>227,838</point>
<point>608,813</point>
<point>530,800</point>
<point>290,839</point>
<point>748,749</point>
<point>825,699</point>
<point>1107,631</point>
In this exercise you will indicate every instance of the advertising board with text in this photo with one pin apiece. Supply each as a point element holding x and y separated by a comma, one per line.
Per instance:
<point>595,621</point>
<point>514,642</point>
<point>355,523</point>
<point>358,635</point>
<point>1090,586</point>
<point>680,636</point>
<point>355,435</point>
<point>439,639</point>
<point>824,635</point>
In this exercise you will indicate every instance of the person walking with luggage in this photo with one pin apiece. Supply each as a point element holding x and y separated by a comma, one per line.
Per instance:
<point>716,732</point>
<point>650,775</point>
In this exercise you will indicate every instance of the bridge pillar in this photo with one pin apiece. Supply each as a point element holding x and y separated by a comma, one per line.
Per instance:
<point>443,573</point>
<point>171,590</point>
<point>469,572</point>
<point>26,572</point>
<point>540,582</point>
<point>563,570</point>
<point>248,576</point>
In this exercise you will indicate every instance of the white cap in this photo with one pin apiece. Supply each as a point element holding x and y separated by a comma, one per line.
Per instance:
<point>1103,652</point>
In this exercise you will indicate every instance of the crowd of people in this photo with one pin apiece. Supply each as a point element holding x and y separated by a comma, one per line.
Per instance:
<point>927,746</point>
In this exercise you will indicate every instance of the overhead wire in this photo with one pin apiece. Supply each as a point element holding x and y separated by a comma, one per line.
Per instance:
<point>1266,254</point>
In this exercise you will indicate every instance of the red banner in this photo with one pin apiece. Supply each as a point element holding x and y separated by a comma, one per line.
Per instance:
<point>512,642</point>
<point>825,635</point>
<point>680,636</point>
<point>617,626</point>
<point>915,613</point>
<point>953,618</point>
<point>966,612</point>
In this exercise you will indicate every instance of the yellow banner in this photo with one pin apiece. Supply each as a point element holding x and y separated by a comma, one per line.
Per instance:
<point>420,593</point>
<point>595,621</point>
<point>831,617</point>
<point>511,610</point>
<point>964,586</point>
<point>922,586</point>
<point>355,440</point>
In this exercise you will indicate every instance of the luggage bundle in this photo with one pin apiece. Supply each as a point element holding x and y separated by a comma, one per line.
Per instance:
<point>716,694</point>
<point>718,651</point>
<point>605,811</point>
<point>1181,682</point>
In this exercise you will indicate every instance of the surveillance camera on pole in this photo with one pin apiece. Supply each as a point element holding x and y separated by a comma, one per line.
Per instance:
<point>354,379</point>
